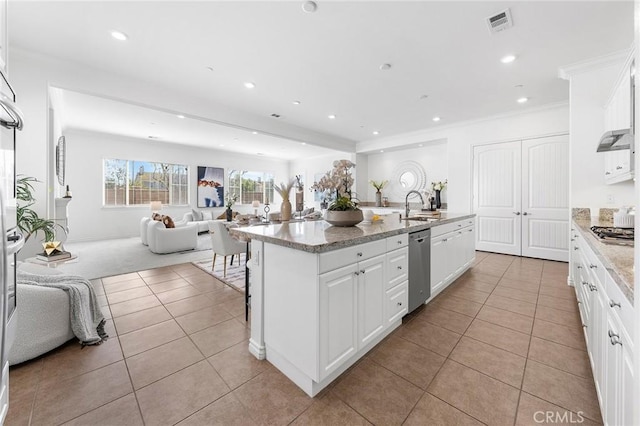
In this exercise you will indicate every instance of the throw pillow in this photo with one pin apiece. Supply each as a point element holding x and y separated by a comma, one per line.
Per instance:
<point>207,216</point>
<point>197,215</point>
<point>157,216</point>
<point>168,222</point>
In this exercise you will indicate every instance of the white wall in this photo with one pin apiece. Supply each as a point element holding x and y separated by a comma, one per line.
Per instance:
<point>89,220</point>
<point>461,138</point>
<point>589,93</point>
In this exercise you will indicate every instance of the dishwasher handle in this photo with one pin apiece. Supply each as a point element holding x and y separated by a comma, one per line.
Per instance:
<point>419,240</point>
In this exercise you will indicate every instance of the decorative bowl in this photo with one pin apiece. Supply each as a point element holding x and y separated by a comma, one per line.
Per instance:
<point>343,218</point>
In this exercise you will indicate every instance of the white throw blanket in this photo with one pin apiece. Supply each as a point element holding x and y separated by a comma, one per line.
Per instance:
<point>87,321</point>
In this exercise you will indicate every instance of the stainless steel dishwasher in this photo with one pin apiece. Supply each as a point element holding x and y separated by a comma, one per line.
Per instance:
<point>419,268</point>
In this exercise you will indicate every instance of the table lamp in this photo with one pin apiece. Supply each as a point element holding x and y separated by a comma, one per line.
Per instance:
<point>156,206</point>
<point>255,204</point>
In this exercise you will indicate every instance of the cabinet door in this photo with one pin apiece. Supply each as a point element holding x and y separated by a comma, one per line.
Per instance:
<point>371,299</point>
<point>612,376</point>
<point>397,302</point>
<point>627,401</point>
<point>597,333</point>
<point>469,245</point>
<point>456,253</point>
<point>438,263</point>
<point>338,307</point>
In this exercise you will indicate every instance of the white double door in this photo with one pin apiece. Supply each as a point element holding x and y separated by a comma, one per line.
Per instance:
<point>521,197</point>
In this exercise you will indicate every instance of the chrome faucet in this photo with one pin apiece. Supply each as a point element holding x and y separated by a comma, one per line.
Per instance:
<point>406,201</point>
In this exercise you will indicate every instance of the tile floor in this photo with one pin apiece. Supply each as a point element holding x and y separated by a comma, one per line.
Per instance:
<point>502,345</point>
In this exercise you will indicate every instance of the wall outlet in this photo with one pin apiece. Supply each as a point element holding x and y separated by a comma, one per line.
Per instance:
<point>611,199</point>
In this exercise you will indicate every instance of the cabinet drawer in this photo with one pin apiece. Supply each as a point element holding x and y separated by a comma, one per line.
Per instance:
<point>347,256</point>
<point>397,266</point>
<point>397,302</point>
<point>618,304</point>
<point>397,241</point>
<point>438,230</point>
<point>592,264</point>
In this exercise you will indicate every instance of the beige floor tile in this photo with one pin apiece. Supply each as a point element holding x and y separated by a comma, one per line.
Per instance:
<point>570,319</point>
<point>120,278</point>
<point>429,336</point>
<point>494,362</point>
<point>157,363</point>
<point>511,305</point>
<point>513,282</point>
<point>559,356</point>
<point>25,377</point>
<point>156,271</point>
<point>468,294</point>
<point>361,390</point>
<point>123,296</point>
<point>235,307</point>
<point>564,292</point>
<point>568,305</point>
<point>169,285</point>
<point>445,318</point>
<point>121,412</point>
<point>524,275</point>
<point>178,294</point>
<point>568,336</point>
<point>19,413</point>
<point>408,360</point>
<point>207,317</point>
<point>433,411</point>
<point>479,276</point>
<point>237,366</point>
<point>220,337</point>
<point>72,359</point>
<point>159,278</point>
<point>488,269</point>
<point>124,285</point>
<point>206,285</point>
<point>476,394</point>
<point>135,305</point>
<point>517,322</point>
<point>533,411</point>
<point>189,271</point>
<point>61,401</point>
<point>150,337</point>
<point>271,398</point>
<point>226,411</point>
<point>224,295</point>
<point>330,410</point>
<point>472,284</point>
<point>137,320</point>
<point>456,304</point>
<point>512,293</point>
<point>500,337</point>
<point>180,395</point>
<point>190,304</point>
<point>566,390</point>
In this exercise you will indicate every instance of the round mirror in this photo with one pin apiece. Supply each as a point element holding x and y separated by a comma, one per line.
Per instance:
<point>407,176</point>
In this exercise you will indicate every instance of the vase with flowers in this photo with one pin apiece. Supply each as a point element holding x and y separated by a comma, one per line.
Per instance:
<point>230,200</point>
<point>378,185</point>
<point>284,189</point>
<point>437,187</point>
<point>343,211</point>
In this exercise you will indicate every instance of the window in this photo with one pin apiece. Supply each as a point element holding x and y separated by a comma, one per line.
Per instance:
<point>129,183</point>
<point>250,186</point>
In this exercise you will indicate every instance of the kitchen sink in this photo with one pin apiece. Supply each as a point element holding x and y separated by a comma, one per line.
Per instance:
<point>422,218</point>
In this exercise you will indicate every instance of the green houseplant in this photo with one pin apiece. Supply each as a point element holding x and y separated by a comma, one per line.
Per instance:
<point>343,211</point>
<point>28,220</point>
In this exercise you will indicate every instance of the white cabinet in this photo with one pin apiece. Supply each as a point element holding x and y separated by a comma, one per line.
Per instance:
<point>371,303</point>
<point>4,35</point>
<point>452,252</point>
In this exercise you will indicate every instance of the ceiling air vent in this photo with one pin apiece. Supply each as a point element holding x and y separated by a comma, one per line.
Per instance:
<point>500,21</point>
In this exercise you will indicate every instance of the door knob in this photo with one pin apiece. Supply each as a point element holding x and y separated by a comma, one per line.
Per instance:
<point>516,213</point>
<point>524,214</point>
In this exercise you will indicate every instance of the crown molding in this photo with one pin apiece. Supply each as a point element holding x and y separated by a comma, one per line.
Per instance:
<point>615,58</point>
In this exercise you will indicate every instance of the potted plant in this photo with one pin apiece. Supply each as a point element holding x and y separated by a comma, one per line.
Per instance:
<point>343,211</point>
<point>437,187</point>
<point>28,220</point>
<point>230,200</point>
<point>378,186</point>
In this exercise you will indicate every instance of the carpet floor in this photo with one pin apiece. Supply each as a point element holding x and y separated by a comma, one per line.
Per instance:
<point>235,273</point>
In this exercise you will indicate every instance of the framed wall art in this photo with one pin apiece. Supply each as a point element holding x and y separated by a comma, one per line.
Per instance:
<point>210,186</point>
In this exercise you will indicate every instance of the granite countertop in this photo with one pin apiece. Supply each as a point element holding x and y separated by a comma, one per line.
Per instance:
<point>617,259</point>
<point>319,236</point>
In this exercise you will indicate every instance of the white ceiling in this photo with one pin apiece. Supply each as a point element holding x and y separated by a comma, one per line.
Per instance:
<point>328,60</point>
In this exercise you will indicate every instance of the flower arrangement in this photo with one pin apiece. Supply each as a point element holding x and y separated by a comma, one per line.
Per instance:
<point>340,180</point>
<point>284,189</point>
<point>379,185</point>
<point>230,199</point>
<point>439,186</point>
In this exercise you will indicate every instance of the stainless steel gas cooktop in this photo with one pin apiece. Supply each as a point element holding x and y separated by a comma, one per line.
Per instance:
<point>613,235</point>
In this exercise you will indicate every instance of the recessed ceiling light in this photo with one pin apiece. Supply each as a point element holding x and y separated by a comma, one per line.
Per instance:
<point>332,116</point>
<point>375,132</point>
<point>419,144</point>
<point>303,143</point>
<point>296,102</point>
<point>249,85</point>
<point>119,35</point>
<point>436,119</point>
<point>382,150</point>
<point>522,100</point>
<point>180,116</point>
<point>221,144</point>
<point>309,6</point>
<point>255,133</point>
<point>508,59</point>
<point>385,67</point>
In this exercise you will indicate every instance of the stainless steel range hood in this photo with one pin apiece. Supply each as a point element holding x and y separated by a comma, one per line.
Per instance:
<point>616,140</point>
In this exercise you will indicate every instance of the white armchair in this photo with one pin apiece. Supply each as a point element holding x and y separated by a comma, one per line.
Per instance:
<point>144,223</point>
<point>169,240</point>
<point>223,243</point>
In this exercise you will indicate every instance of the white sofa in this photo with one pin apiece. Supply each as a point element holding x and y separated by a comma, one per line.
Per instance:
<point>42,321</point>
<point>201,224</point>
<point>169,240</point>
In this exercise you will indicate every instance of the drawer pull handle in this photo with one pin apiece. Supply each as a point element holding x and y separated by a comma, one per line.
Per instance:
<point>359,254</point>
<point>572,239</point>
<point>607,173</point>
<point>399,267</point>
<point>612,304</point>
<point>611,334</point>
<point>585,283</point>
<point>444,240</point>
<point>592,266</point>
<point>459,225</point>
<point>356,273</point>
<point>618,167</point>
<point>516,213</point>
<point>362,271</point>
<point>616,341</point>
<point>399,242</point>
<point>470,230</point>
<point>593,287</point>
<point>399,303</point>
<point>579,266</point>
<point>575,247</point>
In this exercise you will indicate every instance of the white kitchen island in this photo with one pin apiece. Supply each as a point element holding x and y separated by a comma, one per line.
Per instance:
<point>323,296</point>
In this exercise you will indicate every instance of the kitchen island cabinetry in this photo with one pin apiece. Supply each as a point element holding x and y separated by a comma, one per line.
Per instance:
<point>452,252</point>
<point>322,297</point>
